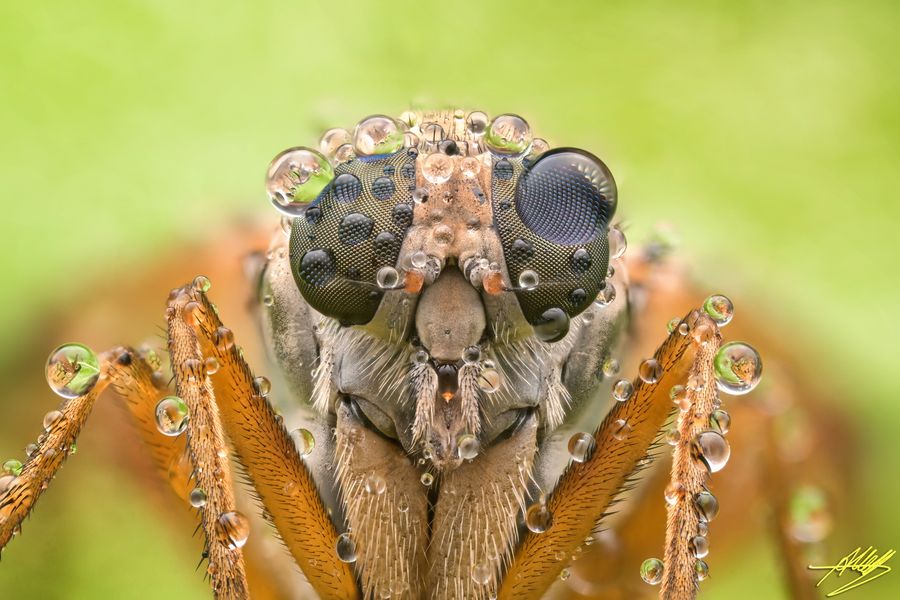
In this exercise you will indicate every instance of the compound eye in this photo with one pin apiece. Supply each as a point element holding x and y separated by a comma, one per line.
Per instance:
<point>296,177</point>
<point>567,197</point>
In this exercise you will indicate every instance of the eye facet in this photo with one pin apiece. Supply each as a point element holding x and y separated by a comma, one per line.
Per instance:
<point>567,197</point>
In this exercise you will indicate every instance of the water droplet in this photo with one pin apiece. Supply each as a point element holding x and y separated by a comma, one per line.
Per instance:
<point>581,446</point>
<point>721,420</point>
<point>387,278</point>
<point>233,529</point>
<point>552,326</point>
<point>565,573</point>
<point>426,479</point>
<point>489,380</point>
<point>377,135</point>
<point>508,134</point>
<point>617,243</point>
<point>538,518</point>
<point>476,123</point>
<point>403,503</point>
<point>606,295</point>
<point>809,518</point>
<point>622,390</point>
<point>673,436</point>
<point>171,416</point>
<point>72,370</point>
<point>702,528</point>
<point>719,308</point>
<point>610,367</point>
<point>673,492</point>
<point>224,339</point>
<point>482,573</point>
<point>51,418</point>
<point>707,506</point>
<point>468,446</point>
<point>652,571</point>
<point>421,357</point>
<point>702,570</point>
<point>333,139</point>
<point>672,325</point>
<point>295,178</point>
<point>304,441</point>
<point>262,385</point>
<point>432,133</point>
<point>539,146</point>
<point>437,168</point>
<point>375,484</point>
<point>683,329</point>
<point>344,153</point>
<point>621,429</point>
<point>211,365</point>
<point>6,482</point>
<point>418,259</point>
<point>31,449</point>
<point>471,355</point>
<point>528,279</point>
<point>714,450</point>
<point>699,546</point>
<point>470,167</point>
<point>197,498</point>
<point>738,368</point>
<point>420,195</point>
<point>12,467</point>
<point>650,371</point>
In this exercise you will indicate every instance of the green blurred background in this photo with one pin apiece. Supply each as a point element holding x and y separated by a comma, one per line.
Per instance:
<point>767,132</point>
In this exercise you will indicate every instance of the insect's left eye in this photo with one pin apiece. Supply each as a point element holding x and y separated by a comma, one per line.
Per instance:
<point>553,221</point>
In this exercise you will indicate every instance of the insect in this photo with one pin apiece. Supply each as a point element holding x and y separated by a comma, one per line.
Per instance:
<point>448,305</point>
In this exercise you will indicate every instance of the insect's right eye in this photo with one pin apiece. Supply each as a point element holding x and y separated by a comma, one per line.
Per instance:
<point>553,223</point>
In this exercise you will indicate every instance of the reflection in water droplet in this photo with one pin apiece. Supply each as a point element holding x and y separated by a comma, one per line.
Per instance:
<point>714,450</point>
<point>581,446</point>
<point>673,492</point>
<point>617,243</point>
<point>606,295</point>
<point>304,441</point>
<point>673,436</point>
<point>262,385</point>
<point>375,484</point>
<point>528,279</point>
<point>12,467</point>
<point>295,178</point>
<point>171,416</point>
<point>650,371</point>
<point>672,325</point>
<point>345,548</point>
<point>333,139</point>
<point>707,506</point>
<point>652,571</point>
<point>719,308</point>
<point>489,380</point>
<point>387,278</point>
<point>621,429</point>
<point>738,368</point>
<point>622,390</point>
<point>426,479</point>
<point>482,573</point>
<point>477,122</point>
<point>702,570</point>
<point>377,135</point>
<point>197,498</point>
<point>508,134</point>
<point>51,418</point>
<point>699,546</point>
<point>233,529</point>
<point>721,420</point>
<point>72,370</point>
<point>471,355</point>
<point>437,168</point>
<point>468,446</point>
<point>538,518</point>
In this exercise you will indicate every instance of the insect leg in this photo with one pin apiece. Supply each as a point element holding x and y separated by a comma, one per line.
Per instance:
<point>266,451</point>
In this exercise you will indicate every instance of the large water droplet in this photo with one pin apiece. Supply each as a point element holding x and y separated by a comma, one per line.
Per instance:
<point>508,134</point>
<point>699,546</point>
<point>72,370</point>
<point>552,326</point>
<point>304,441</point>
<point>702,570</point>
<point>233,529</point>
<point>50,419</point>
<point>617,243</point>
<point>721,420</point>
<point>538,518</point>
<point>528,279</point>
<point>295,178</point>
<point>345,548</point>
<point>197,498</point>
<point>719,308</point>
<point>263,385</point>
<point>581,446</point>
<point>707,506</point>
<point>482,573</point>
<point>171,416</point>
<point>468,446</point>
<point>489,380</point>
<point>476,123</point>
<point>650,371</point>
<point>471,355</point>
<point>387,278</point>
<point>714,450</point>
<point>738,368</point>
<point>375,484</point>
<point>438,168</point>
<point>809,518</point>
<point>622,390</point>
<point>12,467</point>
<point>377,135</point>
<point>652,571</point>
